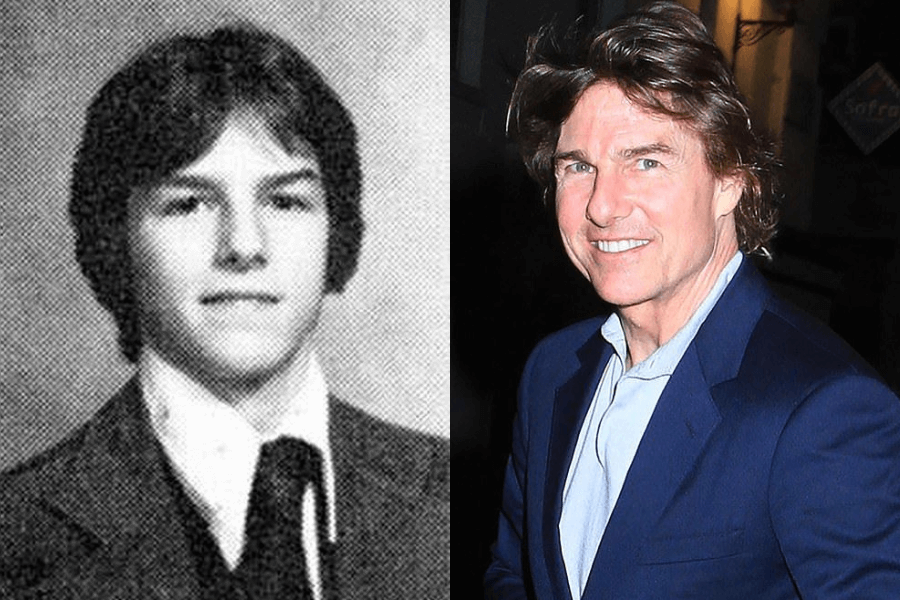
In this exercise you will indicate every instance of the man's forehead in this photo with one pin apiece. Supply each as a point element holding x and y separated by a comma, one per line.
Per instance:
<point>245,144</point>
<point>605,115</point>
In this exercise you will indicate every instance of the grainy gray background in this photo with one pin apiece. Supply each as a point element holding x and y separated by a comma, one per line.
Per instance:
<point>384,341</point>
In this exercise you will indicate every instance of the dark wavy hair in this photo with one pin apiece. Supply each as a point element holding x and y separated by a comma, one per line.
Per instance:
<point>663,60</point>
<point>167,107</point>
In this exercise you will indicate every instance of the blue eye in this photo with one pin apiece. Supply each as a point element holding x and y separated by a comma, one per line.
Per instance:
<point>580,167</point>
<point>645,164</point>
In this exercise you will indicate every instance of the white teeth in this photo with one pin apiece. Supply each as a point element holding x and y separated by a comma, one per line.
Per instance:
<point>619,245</point>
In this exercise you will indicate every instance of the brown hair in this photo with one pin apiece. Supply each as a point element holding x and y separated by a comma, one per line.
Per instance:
<point>663,60</point>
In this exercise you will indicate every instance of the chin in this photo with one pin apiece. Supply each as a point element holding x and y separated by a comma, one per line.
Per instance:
<point>618,293</point>
<point>238,371</point>
<point>245,363</point>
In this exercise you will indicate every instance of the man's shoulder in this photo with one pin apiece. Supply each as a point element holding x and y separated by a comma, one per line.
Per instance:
<point>574,335</point>
<point>37,534</point>
<point>570,339</point>
<point>119,415</point>
<point>32,535</point>
<point>804,344</point>
<point>770,345</point>
<point>45,468</point>
<point>558,354</point>
<point>111,451</point>
<point>791,358</point>
<point>410,461</point>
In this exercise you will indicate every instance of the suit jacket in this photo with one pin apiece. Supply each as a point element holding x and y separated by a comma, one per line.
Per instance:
<point>94,518</point>
<point>770,467</point>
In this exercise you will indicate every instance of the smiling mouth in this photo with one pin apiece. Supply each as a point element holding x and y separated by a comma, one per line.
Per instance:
<point>233,297</point>
<point>616,246</point>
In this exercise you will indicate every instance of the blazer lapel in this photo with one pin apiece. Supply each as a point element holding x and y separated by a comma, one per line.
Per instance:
<point>352,568</point>
<point>115,489</point>
<point>683,420</point>
<point>685,416</point>
<point>570,407</point>
<point>392,490</point>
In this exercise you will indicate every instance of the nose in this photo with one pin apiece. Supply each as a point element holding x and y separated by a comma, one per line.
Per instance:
<point>608,201</point>
<point>241,244</point>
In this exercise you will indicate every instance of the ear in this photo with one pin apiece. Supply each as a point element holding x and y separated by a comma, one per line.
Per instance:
<point>727,195</point>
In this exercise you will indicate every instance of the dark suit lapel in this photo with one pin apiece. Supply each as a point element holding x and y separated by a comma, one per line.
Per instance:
<point>392,508</point>
<point>570,407</point>
<point>351,564</point>
<point>115,489</point>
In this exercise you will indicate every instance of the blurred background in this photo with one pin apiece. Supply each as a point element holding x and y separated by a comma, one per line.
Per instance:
<point>384,340</point>
<point>808,70</point>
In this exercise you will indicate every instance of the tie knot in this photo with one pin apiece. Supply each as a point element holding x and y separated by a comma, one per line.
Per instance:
<point>287,466</point>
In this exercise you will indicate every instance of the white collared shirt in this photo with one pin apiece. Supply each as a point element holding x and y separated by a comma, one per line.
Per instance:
<point>612,429</point>
<point>213,449</point>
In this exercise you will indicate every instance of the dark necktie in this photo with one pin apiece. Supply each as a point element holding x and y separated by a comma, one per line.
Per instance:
<point>273,563</point>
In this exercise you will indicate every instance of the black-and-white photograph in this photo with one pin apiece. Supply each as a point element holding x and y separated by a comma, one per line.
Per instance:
<point>224,352</point>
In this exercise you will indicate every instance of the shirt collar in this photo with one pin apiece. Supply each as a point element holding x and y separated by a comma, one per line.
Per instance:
<point>665,358</point>
<point>214,449</point>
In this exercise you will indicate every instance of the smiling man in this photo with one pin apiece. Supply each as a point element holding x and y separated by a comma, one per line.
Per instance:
<point>705,440</point>
<point>215,198</point>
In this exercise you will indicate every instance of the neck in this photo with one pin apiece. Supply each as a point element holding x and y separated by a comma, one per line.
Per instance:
<point>263,402</point>
<point>262,399</point>
<point>649,325</point>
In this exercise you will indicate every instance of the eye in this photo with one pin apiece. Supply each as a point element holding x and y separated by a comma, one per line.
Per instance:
<point>646,164</point>
<point>579,168</point>
<point>183,205</point>
<point>289,201</point>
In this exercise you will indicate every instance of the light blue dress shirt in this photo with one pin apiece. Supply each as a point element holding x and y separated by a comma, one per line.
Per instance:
<point>612,429</point>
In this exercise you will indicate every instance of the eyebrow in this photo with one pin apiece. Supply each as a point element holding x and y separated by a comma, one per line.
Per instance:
<point>268,181</point>
<point>181,180</point>
<point>300,175</point>
<point>647,149</point>
<point>574,155</point>
<point>625,153</point>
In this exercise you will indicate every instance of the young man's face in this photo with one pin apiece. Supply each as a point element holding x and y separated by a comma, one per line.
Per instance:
<point>641,214</point>
<point>229,256</point>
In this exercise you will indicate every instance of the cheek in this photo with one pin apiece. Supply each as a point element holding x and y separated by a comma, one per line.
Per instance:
<point>304,242</point>
<point>162,271</point>
<point>692,229</point>
<point>683,211</point>
<point>298,257</point>
<point>569,215</point>
<point>703,219</point>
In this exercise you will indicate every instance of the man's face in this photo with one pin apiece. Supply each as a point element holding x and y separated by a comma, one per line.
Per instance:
<point>229,255</point>
<point>641,215</point>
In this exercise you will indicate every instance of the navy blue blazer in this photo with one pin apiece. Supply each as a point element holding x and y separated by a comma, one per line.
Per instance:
<point>769,469</point>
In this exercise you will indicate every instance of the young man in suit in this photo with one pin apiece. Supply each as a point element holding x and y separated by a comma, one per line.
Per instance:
<point>215,198</point>
<point>704,440</point>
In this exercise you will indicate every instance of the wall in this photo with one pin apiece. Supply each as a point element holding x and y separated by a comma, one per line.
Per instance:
<point>385,341</point>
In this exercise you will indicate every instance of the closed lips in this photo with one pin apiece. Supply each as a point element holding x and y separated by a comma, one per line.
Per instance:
<point>237,296</point>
